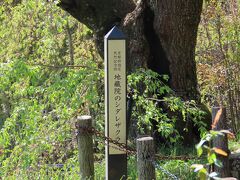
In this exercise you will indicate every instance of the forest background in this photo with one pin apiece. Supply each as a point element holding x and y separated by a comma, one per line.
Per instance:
<point>50,73</point>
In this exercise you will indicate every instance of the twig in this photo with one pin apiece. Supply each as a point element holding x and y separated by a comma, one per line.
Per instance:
<point>158,100</point>
<point>63,66</point>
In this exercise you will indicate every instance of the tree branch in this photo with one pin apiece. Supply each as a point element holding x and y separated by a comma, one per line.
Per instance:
<point>98,14</point>
<point>63,66</point>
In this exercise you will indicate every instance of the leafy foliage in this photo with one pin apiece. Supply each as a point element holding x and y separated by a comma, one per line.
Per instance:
<point>212,152</point>
<point>50,73</point>
<point>218,57</point>
<point>153,97</point>
<point>39,92</point>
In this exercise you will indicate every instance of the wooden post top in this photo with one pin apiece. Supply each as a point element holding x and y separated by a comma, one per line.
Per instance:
<point>84,117</point>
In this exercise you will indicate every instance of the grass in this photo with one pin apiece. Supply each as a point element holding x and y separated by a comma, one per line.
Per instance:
<point>179,168</point>
<point>234,145</point>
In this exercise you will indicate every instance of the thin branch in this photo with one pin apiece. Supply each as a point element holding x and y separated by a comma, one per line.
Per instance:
<point>70,44</point>
<point>63,66</point>
<point>154,99</point>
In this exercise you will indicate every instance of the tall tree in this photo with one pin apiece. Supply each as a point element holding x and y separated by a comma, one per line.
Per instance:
<point>162,36</point>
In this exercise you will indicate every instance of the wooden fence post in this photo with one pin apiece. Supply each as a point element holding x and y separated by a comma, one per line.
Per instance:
<point>145,158</point>
<point>219,122</point>
<point>234,161</point>
<point>85,147</point>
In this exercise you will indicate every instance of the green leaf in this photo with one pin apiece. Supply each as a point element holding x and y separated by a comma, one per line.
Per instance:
<point>213,174</point>
<point>218,163</point>
<point>199,151</point>
<point>212,158</point>
<point>197,167</point>
<point>203,174</point>
<point>200,143</point>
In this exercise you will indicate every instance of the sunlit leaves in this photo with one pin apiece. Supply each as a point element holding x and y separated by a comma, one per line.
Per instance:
<point>43,101</point>
<point>147,87</point>
<point>210,152</point>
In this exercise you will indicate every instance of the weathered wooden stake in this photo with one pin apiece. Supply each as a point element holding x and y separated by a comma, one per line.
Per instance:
<point>145,158</point>
<point>220,123</point>
<point>85,147</point>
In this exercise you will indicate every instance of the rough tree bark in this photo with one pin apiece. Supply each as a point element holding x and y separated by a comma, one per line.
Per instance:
<point>162,36</point>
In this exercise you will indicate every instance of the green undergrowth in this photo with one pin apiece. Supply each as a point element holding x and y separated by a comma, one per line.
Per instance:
<point>234,144</point>
<point>40,131</point>
<point>180,169</point>
<point>41,127</point>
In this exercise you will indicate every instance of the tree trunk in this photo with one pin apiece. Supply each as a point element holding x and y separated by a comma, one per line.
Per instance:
<point>145,158</point>
<point>70,44</point>
<point>176,25</point>
<point>161,36</point>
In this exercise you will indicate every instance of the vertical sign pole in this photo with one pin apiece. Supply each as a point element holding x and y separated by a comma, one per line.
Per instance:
<point>115,103</point>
